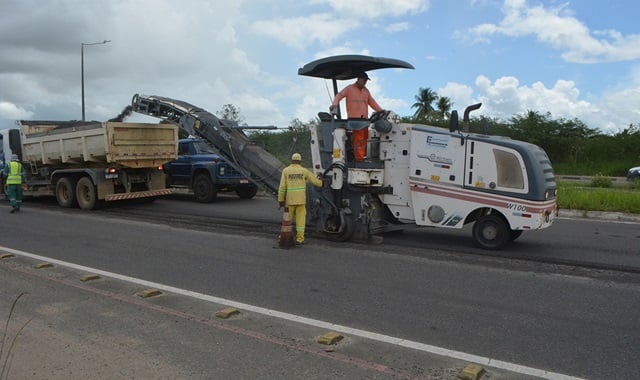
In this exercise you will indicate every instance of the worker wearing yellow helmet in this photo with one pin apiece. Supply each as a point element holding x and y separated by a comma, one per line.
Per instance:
<point>292,193</point>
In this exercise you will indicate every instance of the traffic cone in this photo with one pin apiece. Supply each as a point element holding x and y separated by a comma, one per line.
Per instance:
<point>286,239</point>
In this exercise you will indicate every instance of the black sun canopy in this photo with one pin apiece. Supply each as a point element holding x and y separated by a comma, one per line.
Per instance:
<point>343,67</point>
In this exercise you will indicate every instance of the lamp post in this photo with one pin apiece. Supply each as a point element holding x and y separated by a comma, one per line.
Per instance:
<point>82,45</point>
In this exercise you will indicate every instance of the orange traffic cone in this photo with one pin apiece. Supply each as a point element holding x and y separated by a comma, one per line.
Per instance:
<point>286,239</point>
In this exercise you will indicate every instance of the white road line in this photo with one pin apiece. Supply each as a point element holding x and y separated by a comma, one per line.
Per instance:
<point>313,322</point>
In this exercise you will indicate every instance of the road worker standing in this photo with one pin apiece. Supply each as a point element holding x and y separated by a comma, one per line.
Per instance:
<point>292,193</point>
<point>15,177</point>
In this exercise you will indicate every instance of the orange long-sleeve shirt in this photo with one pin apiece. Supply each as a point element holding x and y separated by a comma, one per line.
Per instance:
<point>358,101</point>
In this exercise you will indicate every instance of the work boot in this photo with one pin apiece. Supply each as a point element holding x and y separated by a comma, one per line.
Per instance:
<point>13,210</point>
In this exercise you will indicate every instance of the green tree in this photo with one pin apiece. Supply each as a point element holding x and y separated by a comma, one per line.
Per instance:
<point>424,103</point>
<point>444,105</point>
<point>283,143</point>
<point>230,112</point>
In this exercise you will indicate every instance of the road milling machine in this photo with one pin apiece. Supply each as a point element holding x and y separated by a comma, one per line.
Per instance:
<point>414,175</point>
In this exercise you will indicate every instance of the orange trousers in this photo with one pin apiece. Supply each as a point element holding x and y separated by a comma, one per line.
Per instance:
<point>360,138</point>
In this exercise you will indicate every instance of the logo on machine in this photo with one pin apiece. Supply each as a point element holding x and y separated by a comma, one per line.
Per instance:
<point>443,162</point>
<point>440,142</point>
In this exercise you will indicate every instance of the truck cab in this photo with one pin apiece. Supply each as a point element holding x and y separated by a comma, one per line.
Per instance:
<point>200,170</point>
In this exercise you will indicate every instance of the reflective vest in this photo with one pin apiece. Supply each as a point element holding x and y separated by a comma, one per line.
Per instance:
<point>293,184</point>
<point>15,173</point>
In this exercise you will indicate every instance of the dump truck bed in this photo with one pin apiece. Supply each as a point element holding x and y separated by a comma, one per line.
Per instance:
<point>134,145</point>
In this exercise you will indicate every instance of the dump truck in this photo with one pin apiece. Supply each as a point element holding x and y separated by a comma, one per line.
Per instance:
<point>415,175</point>
<point>86,163</point>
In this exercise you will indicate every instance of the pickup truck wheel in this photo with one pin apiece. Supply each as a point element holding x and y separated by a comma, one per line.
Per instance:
<point>86,194</point>
<point>203,189</point>
<point>66,192</point>
<point>491,232</point>
<point>247,192</point>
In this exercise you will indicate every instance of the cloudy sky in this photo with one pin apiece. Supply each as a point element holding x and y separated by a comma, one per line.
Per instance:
<point>572,58</point>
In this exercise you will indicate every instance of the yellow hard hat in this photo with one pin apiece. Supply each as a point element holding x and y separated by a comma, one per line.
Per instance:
<point>296,157</point>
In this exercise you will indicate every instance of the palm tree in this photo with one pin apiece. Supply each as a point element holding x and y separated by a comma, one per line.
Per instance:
<point>444,107</point>
<point>424,103</point>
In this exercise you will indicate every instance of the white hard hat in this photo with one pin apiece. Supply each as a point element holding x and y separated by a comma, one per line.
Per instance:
<point>296,157</point>
<point>14,157</point>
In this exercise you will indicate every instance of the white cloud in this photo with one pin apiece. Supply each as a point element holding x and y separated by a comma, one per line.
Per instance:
<point>10,111</point>
<point>397,27</point>
<point>558,28</point>
<point>377,8</point>
<point>299,32</point>
<point>506,97</point>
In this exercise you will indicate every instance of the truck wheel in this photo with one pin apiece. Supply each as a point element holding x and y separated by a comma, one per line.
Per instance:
<point>65,192</point>
<point>247,192</point>
<point>86,194</point>
<point>491,232</point>
<point>203,189</point>
<point>515,234</point>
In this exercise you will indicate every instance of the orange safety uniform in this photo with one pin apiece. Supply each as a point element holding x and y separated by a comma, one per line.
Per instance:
<point>293,191</point>
<point>358,102</point>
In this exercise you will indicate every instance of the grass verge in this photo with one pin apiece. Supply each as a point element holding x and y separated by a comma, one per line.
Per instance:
<point>615,198</point>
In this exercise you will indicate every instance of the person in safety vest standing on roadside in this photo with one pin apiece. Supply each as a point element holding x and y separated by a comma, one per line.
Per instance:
<point>292,193</point>
<point>14,173</point>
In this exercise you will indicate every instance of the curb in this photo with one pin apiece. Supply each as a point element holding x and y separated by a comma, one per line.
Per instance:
<point>600,215</point>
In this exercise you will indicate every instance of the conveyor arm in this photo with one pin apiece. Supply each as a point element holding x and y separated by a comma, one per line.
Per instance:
<point>231,143</point>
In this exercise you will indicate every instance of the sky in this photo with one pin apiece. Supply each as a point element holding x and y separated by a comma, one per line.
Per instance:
<point>571,59</point>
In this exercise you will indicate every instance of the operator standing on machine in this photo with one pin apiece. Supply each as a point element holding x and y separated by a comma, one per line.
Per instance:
<point>358,101</point>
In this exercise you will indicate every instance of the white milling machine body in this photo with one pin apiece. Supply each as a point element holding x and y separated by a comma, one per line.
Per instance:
<point>422,175</point>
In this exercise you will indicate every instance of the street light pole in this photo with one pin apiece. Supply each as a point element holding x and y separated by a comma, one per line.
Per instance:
<point>82,45</point>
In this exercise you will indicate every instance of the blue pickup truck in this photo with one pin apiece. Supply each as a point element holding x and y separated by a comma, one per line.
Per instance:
<point>200,170</point>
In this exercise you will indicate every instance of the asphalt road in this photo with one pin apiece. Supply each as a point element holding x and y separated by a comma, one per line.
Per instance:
<point>562,319</point>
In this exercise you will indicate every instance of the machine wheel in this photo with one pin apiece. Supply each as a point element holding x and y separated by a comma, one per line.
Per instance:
<point>203,189</point>
<point>339,229</point>
<point>247,192</point>
<point>491,232</point>
<point>86,194</point>
<point>65,192</point>
<point>515,234</point>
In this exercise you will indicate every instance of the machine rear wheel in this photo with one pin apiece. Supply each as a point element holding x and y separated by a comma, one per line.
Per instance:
<point>339,229</point>
<point>491,232</point>
<point>66,192</point>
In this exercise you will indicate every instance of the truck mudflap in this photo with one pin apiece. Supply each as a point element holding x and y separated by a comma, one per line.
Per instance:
<point>138,194</point>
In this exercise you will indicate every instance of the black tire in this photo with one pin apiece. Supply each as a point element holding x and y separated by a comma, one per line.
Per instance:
<point>339,229</point>
<point>491,232</point>
<point>247,192</point>
<point>203,189</point>
<point>86,194</point>
<point>515,234</point>
<point>66,192</point>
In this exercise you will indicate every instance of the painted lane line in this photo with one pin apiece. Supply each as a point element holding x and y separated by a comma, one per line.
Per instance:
<point>489,362</point>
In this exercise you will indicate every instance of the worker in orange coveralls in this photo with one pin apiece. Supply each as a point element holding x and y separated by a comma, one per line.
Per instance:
<point>358,101</point>
<point>292,193</point>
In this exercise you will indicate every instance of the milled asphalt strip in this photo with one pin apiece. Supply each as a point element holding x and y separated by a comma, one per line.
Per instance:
<point>313,322</point>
